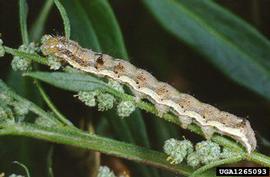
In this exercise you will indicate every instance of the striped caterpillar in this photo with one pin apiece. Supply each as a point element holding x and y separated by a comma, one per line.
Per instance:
<point>144,85</point>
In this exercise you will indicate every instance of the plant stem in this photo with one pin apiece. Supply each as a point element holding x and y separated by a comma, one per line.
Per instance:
<point>259,158</point>
<point>23,11</point>
<point>93,142</point>
<point>32,107</point>
<point>46,98</point>
<point>198,172</point>
<point>65,18</point>
<point>38,26</point>
<point>34,57</point>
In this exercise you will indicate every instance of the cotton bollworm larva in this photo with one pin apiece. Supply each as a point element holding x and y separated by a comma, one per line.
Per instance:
<point>186,107</point>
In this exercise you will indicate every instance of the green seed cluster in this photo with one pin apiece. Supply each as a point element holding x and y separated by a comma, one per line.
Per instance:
<point>23,64</point>
<point>6,115</point>
<point>104,171</point>
<point>2,50</point>
<point>177,150</point>
<point>227,153</point>
<point>205,152</point>
<point>54,63</point>
<point>3,114</point>
<point>193,159</point>
<point>46,122</point>
<point>116,85</point>
<point>21,109</point>
<point>14,175</point>
<point>208,151</point>
<point>106,101</point>
<point>88,97</point>
<point>125,108</point>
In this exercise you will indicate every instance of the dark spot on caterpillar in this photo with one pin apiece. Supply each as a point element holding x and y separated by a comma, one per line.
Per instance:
<point>80,61</point>
<point>140,80</point>
<point>161,90</point>
<point>241,124</point>
<point>68,53</point>
<point>99,61</point>
<point>119,68</point>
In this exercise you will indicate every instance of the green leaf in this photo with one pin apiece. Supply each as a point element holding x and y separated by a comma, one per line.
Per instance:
<point>64,18</point>
<point>96,143</point>
<point>39,25</point>
<point>69,81</point>
<point>34,57</point>
<point>81,27</point>
<point>23,11</point>
<point>106,27</point>
<point>232,45</point>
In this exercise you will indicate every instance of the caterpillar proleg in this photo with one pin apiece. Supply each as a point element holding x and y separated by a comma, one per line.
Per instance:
<point>145,85</point>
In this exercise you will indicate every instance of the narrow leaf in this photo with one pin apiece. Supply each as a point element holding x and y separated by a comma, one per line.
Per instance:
<point>97,143</point>
<point>108,32</point>
<point>82,28</point>
<point>39,25</point>
<point>64,18</point>
<point>23,12</point>
<point>69,81</point>
<point>233,46</point>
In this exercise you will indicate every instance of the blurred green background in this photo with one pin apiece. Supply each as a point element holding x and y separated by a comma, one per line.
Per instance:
<point>196,46</point>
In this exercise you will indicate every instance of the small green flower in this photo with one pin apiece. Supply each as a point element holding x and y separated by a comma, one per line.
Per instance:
<point>88,97</point>
<point>105,101</point>
<point>22,63</point>
<point>6,114</point>
<point>14,175</point>
<point>45,122</point>
<point>21,109</point>
<point>208,151</point>
<point>177,150</point>
<point>3,114</point>
<point>125,108</point>
<point>104,171</point>
<point>5,98</point>
<point>2,50</point>
<point>193,159</point>
<point>227,153</point>
<point>116,85</point>
<point>53,63</point>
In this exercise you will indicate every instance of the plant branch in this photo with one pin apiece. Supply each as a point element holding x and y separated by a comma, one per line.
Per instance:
<point>46,98</point>
<point>204,168</point>
<point>81,139</point>
<point>38,26</point>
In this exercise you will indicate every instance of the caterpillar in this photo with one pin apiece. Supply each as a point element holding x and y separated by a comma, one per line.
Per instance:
<point>145,86</point>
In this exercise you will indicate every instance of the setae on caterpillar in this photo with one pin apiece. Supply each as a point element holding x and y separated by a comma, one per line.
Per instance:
<point>144,85</point>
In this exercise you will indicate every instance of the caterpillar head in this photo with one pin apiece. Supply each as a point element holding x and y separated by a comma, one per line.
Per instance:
<point>51,45</point>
